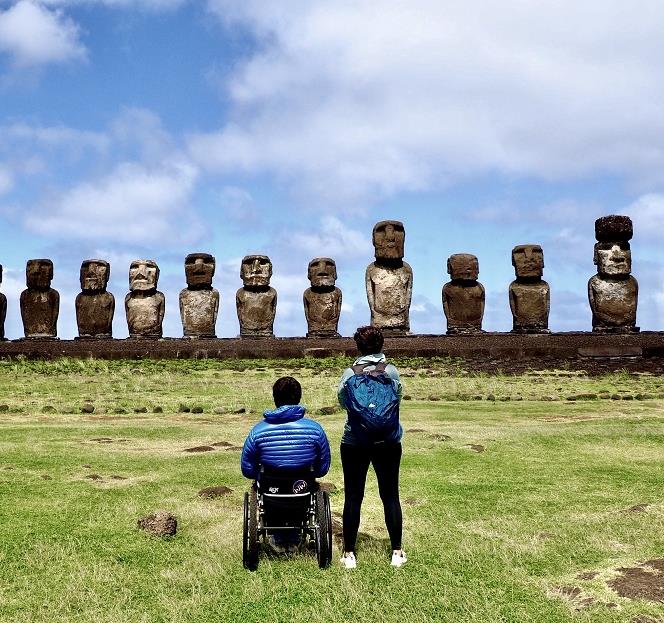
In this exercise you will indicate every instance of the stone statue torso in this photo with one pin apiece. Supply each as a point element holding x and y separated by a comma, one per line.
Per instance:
<point>530,303</point>
<point>3,315</point>
<point>94,314</point>
<point>613,302</point>
<point>322,310</point>
<point>389,291</point>
<point>145,314</point>
<point>39,312</point>
<point>463,305</point>
<point>198,311</point>
<point>256,311</point>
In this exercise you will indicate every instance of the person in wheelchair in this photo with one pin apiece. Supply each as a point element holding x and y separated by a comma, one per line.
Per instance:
<point>284,454</point>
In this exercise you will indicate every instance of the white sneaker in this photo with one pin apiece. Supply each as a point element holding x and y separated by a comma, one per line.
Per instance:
<point>398,558</point>
<point>348,560</point>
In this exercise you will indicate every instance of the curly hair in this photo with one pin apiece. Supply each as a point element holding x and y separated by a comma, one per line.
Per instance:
<point>369,340</point>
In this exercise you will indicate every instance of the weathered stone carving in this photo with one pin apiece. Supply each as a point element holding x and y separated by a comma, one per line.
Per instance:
<point>94,305</point>
<point>256,302</point>
<point>389,280</point>
<point>40,304</point>
<point>322,301</point>
<point>463,297</point>
<point>613,292</point>
<point>199,301</point>
<point>530,295</point>
<point>3,311</point>
<point>144,304</point>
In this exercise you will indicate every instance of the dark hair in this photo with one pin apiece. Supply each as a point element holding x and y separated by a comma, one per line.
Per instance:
<point>286,391</point>
<point>369,340</point>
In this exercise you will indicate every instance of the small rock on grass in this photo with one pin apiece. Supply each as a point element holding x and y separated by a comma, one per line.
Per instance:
<point>491,397</point>
<point>4,408</point>
<point>240,410</point>
<point>88,407</point>
<point>219,410</point>
<point>159,523</point>
<point>49,409</point>
<point>197,409</point>
<point>182,408</point>
<point>158,409</point>
<point>407,397</point>
<point>215,492</point>
<point>140,409</point>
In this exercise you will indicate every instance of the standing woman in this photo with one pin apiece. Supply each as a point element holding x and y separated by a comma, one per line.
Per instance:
<point>370,391</point>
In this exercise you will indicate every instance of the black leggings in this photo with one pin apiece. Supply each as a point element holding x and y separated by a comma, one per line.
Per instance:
<point>355,461</point>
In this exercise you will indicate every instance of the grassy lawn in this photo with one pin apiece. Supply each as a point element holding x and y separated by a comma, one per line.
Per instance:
<point>522,496</point>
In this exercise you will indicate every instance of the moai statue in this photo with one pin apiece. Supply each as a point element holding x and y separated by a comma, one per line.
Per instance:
<point>199,301</point>
<point>389,280</point>
<point>322,301</point>
<point>613,292</point>
<point>3,311</point>
<point>530,295</point>
<point>144,304</point>
<point>463,297</point>
<point>256,301</point>
<point>40,304</point>
<point>94,305</point>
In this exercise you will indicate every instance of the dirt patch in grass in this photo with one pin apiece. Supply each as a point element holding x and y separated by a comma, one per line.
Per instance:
<point>475,447</point>
<point>222,444</point>
<point>215,492</point>
<point>102,439</point>
<point>587,575</point>
<point>412,502</point>
<point>116,477</point>
<point>94,477</point>
<point>415,430</point>
<point>643,582</point>
<point>440,437</point>
<point>199,449</point>
<point>159,523</point>
<point>637,508</point>
<point>328,486</point>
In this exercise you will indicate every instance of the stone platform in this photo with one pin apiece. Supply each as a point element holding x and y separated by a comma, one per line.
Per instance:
<point>489,352</point>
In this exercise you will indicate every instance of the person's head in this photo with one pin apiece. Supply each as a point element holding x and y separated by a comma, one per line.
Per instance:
<point>286,391</point>
<point>369,340</point>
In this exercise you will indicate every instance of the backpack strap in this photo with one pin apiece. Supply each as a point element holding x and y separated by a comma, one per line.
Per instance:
<point>379,369</point>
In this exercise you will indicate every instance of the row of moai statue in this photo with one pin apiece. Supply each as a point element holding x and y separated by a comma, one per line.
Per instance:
<point>612,292</point>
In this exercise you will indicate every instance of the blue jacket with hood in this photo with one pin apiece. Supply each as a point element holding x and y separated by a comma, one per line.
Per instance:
<point>286,439</point>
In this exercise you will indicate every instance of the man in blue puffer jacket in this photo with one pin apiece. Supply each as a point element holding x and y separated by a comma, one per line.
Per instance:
<point>285,439</point>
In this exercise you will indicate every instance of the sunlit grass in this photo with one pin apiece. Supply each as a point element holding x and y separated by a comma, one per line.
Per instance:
<point>491,535</point>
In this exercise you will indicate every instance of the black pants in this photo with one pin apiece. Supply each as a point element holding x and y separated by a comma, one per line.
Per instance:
<point>355,461</point>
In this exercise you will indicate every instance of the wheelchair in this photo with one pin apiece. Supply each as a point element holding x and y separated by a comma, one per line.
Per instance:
<point>282,501</point>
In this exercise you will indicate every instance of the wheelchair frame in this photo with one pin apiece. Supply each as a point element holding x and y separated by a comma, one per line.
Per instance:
<point>316,525</point>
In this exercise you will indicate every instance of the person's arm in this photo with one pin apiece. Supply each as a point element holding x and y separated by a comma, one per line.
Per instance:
<point>393,373</point>
<point>323,463</point>
<point>341,389</point>
<point>249,459</point>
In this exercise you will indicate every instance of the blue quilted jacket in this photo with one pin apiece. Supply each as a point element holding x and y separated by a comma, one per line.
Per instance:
<point>286,439</point>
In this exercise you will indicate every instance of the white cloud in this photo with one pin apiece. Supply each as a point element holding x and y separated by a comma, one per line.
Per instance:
<point>34,35</point>
<point>133,204</point>
<point>647,213</point>
<point>332,238</point>
<point>353,100</point>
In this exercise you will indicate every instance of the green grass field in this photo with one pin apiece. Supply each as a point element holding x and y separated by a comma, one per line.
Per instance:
<point>522,497</point>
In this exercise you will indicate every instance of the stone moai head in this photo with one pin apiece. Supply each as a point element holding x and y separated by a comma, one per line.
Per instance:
<point>528,260</point>
<point>143,275</point>
<point>94,275</point>
<point>463,266</point>
<point>322,272</point>
<point>388,240</point>
<point>612,254</point>
<point>199,270</point>
<point>256,271</point>
<point>39,274</point>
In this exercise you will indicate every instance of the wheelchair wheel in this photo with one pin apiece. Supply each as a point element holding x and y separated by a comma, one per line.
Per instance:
<point>323,529</point>
<point>250,532</point>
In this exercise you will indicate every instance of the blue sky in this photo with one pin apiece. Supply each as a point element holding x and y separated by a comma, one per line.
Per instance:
<point>157,128</point>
